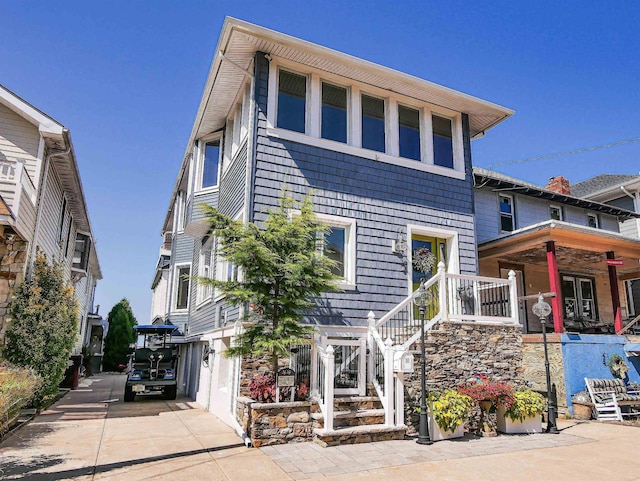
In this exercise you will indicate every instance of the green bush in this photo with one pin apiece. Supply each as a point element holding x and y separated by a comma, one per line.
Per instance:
<point>449,408</point>
<point>17,386</point>
<point>119,336</point>
<point>527,403</point>
<point>43,326</point>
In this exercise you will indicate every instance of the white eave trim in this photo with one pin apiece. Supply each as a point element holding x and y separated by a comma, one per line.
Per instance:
<point>28,112</point>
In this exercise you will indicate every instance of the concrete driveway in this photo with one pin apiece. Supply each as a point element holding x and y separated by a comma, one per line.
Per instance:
<point>91,434</point>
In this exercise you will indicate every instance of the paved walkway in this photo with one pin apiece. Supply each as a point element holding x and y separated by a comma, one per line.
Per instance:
<point>92,435</point>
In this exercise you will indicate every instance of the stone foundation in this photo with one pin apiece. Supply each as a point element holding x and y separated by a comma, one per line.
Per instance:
<point>276,423</point>
<point>534,371</point>
<point>252,366</point>
<point>13,255</point>
<point>456,353</point>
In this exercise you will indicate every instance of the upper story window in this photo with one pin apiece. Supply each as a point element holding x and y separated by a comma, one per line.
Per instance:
<point>181,210</point>
<point>292,101</point>
<point>373,123</point>
<point>206,268</point>
<point>183,282</point>
<point>507,213</point>
<point>63,216</point>
<point>442,141</point>
<point>81,251</point>
<point>334,113</point>
<point>555,212</point>
<point>593,221</point>
<point>210,164</point>
<point>409,132</point>
<point>320,109</point>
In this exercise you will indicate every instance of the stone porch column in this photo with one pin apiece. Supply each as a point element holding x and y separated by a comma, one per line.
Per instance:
<point>555,286</point>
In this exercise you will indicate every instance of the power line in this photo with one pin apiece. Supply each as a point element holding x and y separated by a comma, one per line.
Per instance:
<point>561,154</point>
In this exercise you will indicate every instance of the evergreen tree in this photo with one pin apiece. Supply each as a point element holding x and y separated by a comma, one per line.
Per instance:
<point>119,336</point>
<point>281,270</point>
<point>43,327</point>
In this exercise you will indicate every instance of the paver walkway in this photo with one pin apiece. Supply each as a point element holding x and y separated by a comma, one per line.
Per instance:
<point>92,435</point>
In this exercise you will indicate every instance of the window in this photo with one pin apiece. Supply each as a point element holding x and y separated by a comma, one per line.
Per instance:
<point>183,281</point>
<point>210,163</point>
<point>442,141</point>
<point>555,212</point>
<point>66,247</point>
<point>578,298</point>
<point>593,221</point>
<point>334,113</point>
<point>205,269</point>
<point>373,123</point>
<point>409,132</point>
<point>339,244</point>
<point>81,251</point>
<point>506,213</point>
<point>181,209</point>
<point>63,213</point>
<point>292,100</point>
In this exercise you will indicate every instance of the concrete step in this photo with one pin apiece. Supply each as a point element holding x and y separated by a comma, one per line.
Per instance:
<point>358,417</point>
<point>354,403</point>
<point>358,435</point>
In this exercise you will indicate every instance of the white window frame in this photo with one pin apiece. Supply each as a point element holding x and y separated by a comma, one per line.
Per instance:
<point>513,212</point>
<point>176,286</point>
<point>222,265</point>
<point>312,135</point>
<point>559,209</point>
<point>200,153</point>
<point>349,225</point>
<point>452,242</point>
<point>204,293</point>
<point>595,217</point>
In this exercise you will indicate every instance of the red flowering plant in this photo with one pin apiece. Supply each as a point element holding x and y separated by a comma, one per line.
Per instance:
<point>500,394</point>
<point>262,388</point>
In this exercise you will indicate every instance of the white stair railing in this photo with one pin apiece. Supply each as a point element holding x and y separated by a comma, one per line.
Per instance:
<point>323,374</point>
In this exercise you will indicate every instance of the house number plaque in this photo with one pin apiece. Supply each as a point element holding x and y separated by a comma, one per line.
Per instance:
<point>286,378</point>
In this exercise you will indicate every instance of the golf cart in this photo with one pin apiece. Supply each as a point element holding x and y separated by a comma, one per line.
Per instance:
<point>151,366</point>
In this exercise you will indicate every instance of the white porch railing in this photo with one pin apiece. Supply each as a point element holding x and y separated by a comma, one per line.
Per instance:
<point>322,379</point>
<point>14,179</point>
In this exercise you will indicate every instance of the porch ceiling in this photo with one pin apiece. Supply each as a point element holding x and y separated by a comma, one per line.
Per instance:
<point>576,247</point>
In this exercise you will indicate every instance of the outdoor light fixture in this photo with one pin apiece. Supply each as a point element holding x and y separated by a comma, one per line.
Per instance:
<point>421,300</point>
<point>542,309</point>
<point>399,244</point>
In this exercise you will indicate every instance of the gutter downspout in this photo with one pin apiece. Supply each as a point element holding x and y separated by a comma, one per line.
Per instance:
<point>39,203</point>
<point>636,206</point>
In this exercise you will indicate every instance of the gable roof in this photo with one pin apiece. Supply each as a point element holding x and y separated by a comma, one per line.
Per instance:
<point>238,43</point>
<point>601,182</point>
<point>490,178</point>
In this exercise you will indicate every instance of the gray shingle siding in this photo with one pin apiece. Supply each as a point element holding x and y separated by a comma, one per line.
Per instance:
<point>382,198</point>
<point>207,197</point>
<point>232,184</point>
<point>183,249</point>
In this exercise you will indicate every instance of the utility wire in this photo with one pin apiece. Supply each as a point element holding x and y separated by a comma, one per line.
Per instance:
<point>561,154</point>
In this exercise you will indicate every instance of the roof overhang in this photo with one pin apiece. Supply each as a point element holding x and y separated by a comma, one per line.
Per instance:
<point>616,191</point>
<point>488,178</point>
<point>238,43</point>
<point>568,236</point>
<point>28,112</point>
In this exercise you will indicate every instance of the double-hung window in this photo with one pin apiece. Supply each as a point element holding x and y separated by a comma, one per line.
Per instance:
<point>409,132</point>
<point>555,212</point>
<point>373,123</point>
<point>334,113</point>
<point>183,282</point>
<point>442,141</point>
<point>339,244</point>
<point>81,251</point>
<point>206,269</point>
<point>292,101</point>
<point>507,213</point>
<point>593,221</point>
<point>210,163</point>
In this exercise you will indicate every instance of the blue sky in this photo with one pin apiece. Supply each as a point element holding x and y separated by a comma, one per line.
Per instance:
<point>126,79</point>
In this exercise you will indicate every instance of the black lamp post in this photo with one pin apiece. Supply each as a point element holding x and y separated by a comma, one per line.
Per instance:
<point>423,430</point>
<point>542,309</point>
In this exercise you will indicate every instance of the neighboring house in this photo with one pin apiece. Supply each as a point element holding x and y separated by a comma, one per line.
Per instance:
<point>43,206</point>
<point>387,159</point>
<point>160,284</point>
<point>556,241</point>
<point>621,191</point>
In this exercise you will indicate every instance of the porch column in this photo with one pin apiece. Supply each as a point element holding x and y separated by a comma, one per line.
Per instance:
<point>615,294</point>
<point>555,286</point>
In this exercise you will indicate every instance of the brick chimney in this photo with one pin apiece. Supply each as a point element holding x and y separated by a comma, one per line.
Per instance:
<point>559,184</point>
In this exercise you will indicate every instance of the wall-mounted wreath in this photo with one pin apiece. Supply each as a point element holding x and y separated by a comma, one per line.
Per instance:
<point>423,260</point>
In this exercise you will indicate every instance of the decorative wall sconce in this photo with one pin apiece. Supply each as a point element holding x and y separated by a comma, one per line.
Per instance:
<point>399,244</point>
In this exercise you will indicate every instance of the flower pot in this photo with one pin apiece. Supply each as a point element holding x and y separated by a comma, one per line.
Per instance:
<point>532,424</point>
<point>437,434</point>
<point>582,411</point>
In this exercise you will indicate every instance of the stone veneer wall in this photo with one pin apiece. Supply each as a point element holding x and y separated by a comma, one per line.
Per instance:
<point>14,255</point>
<point>281,423</point>
<point>252,366</point>
<point>534,371</point>
<point>457,352</point>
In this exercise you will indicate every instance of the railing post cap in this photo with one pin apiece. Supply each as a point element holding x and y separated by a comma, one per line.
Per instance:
<point>512,274</point>
<point>330,350</point>
<point>372,317</point>
<point>388,342</point>
<point>441,266</point>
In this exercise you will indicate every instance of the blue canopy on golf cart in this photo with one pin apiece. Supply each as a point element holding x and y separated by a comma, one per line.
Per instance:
<point>155,329</point>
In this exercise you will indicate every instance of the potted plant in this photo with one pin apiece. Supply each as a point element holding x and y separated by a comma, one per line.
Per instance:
<point>448,411</point>
<point>524,414</point>
<point>489,396</point>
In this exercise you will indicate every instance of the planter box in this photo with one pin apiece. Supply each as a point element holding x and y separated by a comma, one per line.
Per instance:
<point>437,434</point>
<point>582,411</point>
<point>530,425</point>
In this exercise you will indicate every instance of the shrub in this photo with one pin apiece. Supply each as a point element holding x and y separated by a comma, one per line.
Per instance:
<point>499,393</point>
<point>17,387</point>
<point>262,388</point>
<point>119,336</point>
<point>527,403</point>
<point>449,408</point>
